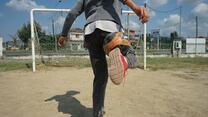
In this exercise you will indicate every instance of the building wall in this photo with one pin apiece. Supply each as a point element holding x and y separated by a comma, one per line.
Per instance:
<point>195,45</point>
<point>76,46</point>
<point>76,41</point>
<point>76,36</point>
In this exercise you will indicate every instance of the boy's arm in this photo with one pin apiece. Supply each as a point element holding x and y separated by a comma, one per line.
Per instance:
<point>72,15</point>
<point>140,11</point>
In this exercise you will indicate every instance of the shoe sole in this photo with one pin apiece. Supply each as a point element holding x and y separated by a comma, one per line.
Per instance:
<point>116,69</point>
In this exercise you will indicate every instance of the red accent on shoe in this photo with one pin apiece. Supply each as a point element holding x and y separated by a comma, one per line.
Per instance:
<point>125,65</point>
<point>118,66</point>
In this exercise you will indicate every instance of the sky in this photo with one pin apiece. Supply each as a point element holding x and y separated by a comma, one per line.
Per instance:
<point>164,15</point>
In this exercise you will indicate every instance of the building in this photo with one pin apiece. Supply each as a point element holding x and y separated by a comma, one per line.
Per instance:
<point>10,45</point>
<point>196,45</point>
<point>76,40</point>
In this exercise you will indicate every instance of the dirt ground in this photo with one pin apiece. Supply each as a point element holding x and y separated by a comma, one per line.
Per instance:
<point>67,92</point>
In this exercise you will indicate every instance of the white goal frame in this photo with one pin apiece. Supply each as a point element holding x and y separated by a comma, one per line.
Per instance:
<point>145,38</point>
<point>33,31</point>
<point>67,10</point>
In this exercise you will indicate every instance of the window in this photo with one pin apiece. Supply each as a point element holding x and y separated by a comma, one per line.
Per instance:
<point>77,35</point>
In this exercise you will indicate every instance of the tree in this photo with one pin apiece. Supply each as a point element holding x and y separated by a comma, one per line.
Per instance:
<point>24,33</point>
<point>47,42</point>
<point>14,40</point>
<point>165,42</point>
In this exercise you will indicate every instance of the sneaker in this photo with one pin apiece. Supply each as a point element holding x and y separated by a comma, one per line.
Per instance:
<point>100,113</point>
<point>118,66</point>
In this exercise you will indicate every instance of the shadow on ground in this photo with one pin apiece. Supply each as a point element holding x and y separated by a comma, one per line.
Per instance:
<point>68,104</point>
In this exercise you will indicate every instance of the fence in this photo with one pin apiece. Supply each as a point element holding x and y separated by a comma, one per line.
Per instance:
<point>67,51</point>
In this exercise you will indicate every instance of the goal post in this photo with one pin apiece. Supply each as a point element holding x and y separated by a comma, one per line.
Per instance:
<point>32,22</point>
<point>33,31</point>
<point>144,38</point>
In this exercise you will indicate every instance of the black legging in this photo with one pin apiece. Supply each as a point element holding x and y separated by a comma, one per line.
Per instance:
<point>94,43</point>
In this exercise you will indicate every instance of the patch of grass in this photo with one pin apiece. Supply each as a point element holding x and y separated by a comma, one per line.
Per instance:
<point>8,65</point>
<point>175,63</point>
<point>78,62</point>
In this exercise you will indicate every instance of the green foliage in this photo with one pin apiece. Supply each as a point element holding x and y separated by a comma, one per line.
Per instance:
<point>24,33</point>
<point>165,42</point>
<point>47,42</point>
<point>14,40</point>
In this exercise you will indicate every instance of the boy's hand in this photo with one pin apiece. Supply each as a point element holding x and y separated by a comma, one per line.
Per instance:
<point>142,13</point>
<point>61,41</point>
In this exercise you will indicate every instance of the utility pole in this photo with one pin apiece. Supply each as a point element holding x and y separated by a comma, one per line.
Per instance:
<point>53,31</point>
<point>196,34</point>
<point>180,21</point>
<point>196,26</point>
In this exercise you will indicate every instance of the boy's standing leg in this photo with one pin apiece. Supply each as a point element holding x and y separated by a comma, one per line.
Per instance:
<point>98,60</point>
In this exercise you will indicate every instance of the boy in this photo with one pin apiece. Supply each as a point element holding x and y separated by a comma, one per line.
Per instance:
<point>102,37</point>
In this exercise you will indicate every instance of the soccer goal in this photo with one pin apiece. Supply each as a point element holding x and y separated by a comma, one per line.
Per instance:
<point>77,34</point>
<point>34,30</point>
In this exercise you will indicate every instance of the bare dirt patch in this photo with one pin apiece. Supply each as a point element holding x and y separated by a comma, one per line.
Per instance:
<point>67,92</point>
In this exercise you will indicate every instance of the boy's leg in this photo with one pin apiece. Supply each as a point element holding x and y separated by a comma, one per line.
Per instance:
<point>94,43</point>
<point>118,66</point>
<point>99,66</point>
<point>121,55</point>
